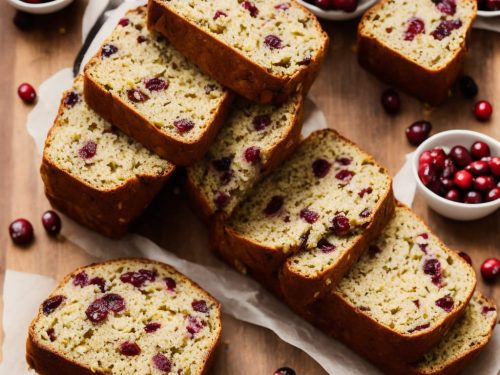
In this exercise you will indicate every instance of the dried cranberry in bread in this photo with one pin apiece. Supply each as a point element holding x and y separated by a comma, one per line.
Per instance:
<point>312,218</point>
<point>144,86</point>
<point>96,174</point>
<point>255,139</point>
<point>264,50</point>
<point>418,46</point>
<point>127,316</point>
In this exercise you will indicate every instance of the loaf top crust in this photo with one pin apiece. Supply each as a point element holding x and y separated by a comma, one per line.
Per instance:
<point>279,35</point>
<point>143,71</point>
<point>90,149</point>
<point>129,316</point>
<point>427,32</point>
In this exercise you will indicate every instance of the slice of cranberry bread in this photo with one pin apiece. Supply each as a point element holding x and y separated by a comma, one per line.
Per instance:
<point>263,50</point>
<point>96,174</point>
<point>254,141</point>
<point>311,218</point>
<point>127,316</point>
<point>144,86</point>
<point>418,46</point>
<point>403,295</point>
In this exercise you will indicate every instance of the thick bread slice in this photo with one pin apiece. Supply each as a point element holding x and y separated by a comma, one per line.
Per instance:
<point>263,50</point>
<point>144,86</point>
<point>124,317</point>
<point>96,174</point>
<point>312,218</point>
<point>418,46</point>
<point>255,140</point>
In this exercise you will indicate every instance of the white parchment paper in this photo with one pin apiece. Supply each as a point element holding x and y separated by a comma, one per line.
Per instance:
<point>240,296</point>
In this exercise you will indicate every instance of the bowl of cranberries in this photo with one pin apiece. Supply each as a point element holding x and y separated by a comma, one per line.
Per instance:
<point>338,10</point>
<point>488,8</point>
<point>39,6</point>
<point>458,173</point>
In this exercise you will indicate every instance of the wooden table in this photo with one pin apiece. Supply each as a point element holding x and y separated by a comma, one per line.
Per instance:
<point>350,99</point>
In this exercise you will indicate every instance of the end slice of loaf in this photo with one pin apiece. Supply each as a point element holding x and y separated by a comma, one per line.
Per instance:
<point>144,86</point>
<point>128,316</point>
<point>418,46</point>
<point>263,50</point>
<point>96,174</point>
<point>312,218</point>
<point>255,140</point>
<point>402,296</point>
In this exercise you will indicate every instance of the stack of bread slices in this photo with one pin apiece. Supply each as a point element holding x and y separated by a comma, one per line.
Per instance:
<point>217,88</point>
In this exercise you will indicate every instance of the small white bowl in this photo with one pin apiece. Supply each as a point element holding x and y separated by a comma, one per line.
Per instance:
<point>42,8</point>
<point>445,207</point>
<point>339,15</point>
<point>488,13</point>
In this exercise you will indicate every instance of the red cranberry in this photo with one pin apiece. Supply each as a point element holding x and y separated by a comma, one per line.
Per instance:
<point>284,371</point>
<point>438,158</point>
<point>152,327</point>
<point>495,166</point>
<point>453,195</point>
<point>21,232</point>
<point>473,197</point>
<point>446,183</point>
<point>341,225</point>
<point>252,154</point>
<point>487,309</point>
<point>493,195</point>
<point>52,334</point>
<point>427,174</point>
<point>425,158</point>
<point>156,84</point>
<point>365,213</point>
<point>325,246</point>
<point>51,304</point>
<point>136,96</point>
<point>492,5</point>
<point>344,175</point>
<point>478,168</point>
<point>418,132</point>
<point>108,50</point>
<point>51,222</point>
<point>88,150</point>
<point>261,122</point>
<point>484,183</point>
<point>100,282</point>
<point>445,28</point>
<point>97,311</point>
<point>345,5</point>
<point>183,125</point>
<point>170,283</point>
<point>415,26</point>
<point>162,363</point>
<point>138,278</point>
<point>463,179</point>
<point>460,156</point>
<point>309,216</point>
<point>219,13</point>
<point>419,328</point>
<point>446,303</point>
<point>480,150</point>
<point>130,349</point>
<point>306,61</point>
<point>432,267</point>
<point>193,326</point>
<point>273,42</point>
<point>252,9</point>
<point>446,6</point>
<point>71,99</point>
<point>364,191</point>
<point>490,269</point>
<point>321,167</point>
<point>449,168</point>
<point>344,160</point>
<point>221,199</point>
<point>200,306</point>
<point>483,110</point>
<point>123,22</point>
<point>324,4</point>
<point>468,87</point>
<point>81,279</point>
<point>26,92</point>
<point>274,205</point>
<point>465,257</point>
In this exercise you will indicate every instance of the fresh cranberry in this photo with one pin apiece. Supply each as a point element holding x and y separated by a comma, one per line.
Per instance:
<point>391,101</point>
<point>465,257</point>
<point>261,122</point>
<point>219,13</point>
<point>473,197</point>
<point>494,164</point>
<point>221,199</point>
<point>364,191</point>
<point>446,183</point>
<point>21,232</point>
<point>490,269</point>
<point>460,156</point>
<point>324,4</point>
<point>309,216</point>
<point>448,7</point>
<point>341,225</point>
<point>136,96</point>
<point>51,304</point>
<point>252,9</point>
<point>484,183</point>
<point>252,154</point>
<point>152,327</point>
<point>51,222</point>
<point>26,92</point>
<point>88,150</point>
<point>344,175</point>
<point>81,279</point>
<point>493,195</point>
<point>273,42</point>
<point>325,246</point>
<point>480,150</point>
<point>156,84</point>
<point>193,326</point>
<point>483,110</point>
<point>170,284</point>
<point>114,302</point>
<point>445,28</point>
<point>415,26</point>
<point>108,49</point>
<point>183,125</point>
<point>425,158</point>
<point>123,22</point>
<point>321,167</point>
<point>446,303</point>
<point>284,371</point>
<point>418,132</point>
<point>478,168</point>
<point>274,205</point>
<point>200,306</point>
<point>129,349</point>
<point>345,5</point>
<point>373,250</point>
<point>438,158</point>
<point>468,87</point>
<point>463,179</point>
<point>492,5</point>
<point>453,195</point>
<point>449,168</point>
<point>71,99</point>
<point>162,363</point>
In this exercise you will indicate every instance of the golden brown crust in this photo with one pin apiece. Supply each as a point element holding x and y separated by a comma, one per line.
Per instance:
<point>228,66</point>
<point>47,362</point>
<point>431,86</point>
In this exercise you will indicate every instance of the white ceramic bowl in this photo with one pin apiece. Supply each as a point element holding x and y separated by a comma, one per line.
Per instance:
<point>338,15</point>
<point>488,13</point>
<point>445,207</point>
<point>42,8</point>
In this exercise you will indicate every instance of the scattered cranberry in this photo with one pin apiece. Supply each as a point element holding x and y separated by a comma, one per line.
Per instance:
<point>284,371</point>
<point>100,282</point>
<point>490,269</point>
<point>130,349</point>
<point>193,326</point>
<point>465,257</point>
<point>221,199</point>
<point>156,84</point>
<point>21,232</point>
<point>460,156</point>
<point>321,167</point>
<point>484,183</point>
<point>415,26</point>
<point>152,327</point>
<point>446,303</point>
<point>136,96</point>
<point>468,87</point>
<point>344,175</point>
<point>183,125</point>
<point>123,22</point>
<point>162,363</point>
<point>432,267</point>
<point>97,311</point>
<point>309,215</point>
<point>51,304</point>
<point>391,101</point>
<point>445,28</point>
<point>282,6</point>
<point>219,13</point>
<point>463,179</point>
<point>495,166</point>
<point>418,132</point>
<point>52,334</point>
<point>252,154</point>
<point>252,9</point>
<point>325,246</point>
<point>81,279</point>
<point>71,99</point>
<point>448,7</point>
<point>200,306</point>
<point>341,225</point>
<point>483,110</point>
<point>114,302</point>
<point>493,195</point>
<point>273,42</point>
<point>88,150</point>
<point>274,205</point>
<point>51,222</point>
<point>26,92</point>
<point>138,278</point>
<point>473,197</point>
<point>170,283</point>
<point>261,122</point>
<point>453,195</point>
<point>108,49</point>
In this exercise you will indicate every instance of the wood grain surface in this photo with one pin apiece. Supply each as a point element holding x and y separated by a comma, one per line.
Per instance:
<point>350,99</point>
